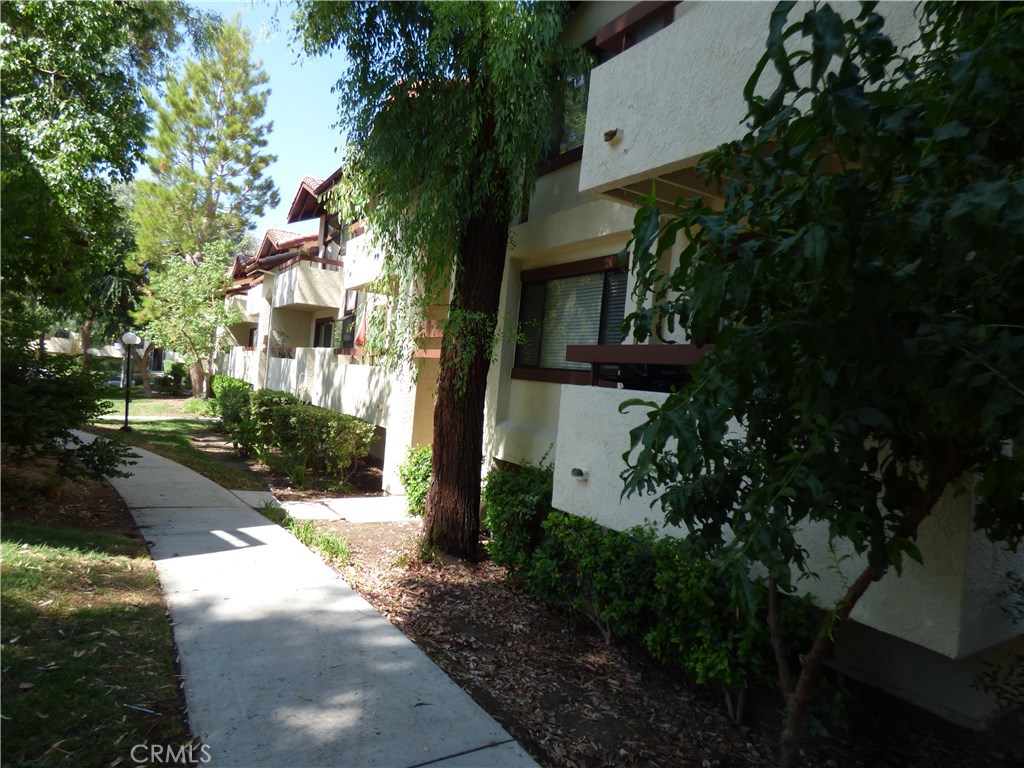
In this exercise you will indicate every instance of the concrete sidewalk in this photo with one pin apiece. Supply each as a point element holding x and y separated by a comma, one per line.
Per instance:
<point>284,664</point>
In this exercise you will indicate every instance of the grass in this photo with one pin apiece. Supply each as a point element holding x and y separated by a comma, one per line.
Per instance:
<point>87,650</point>
<point>165,407</point>
<point>173,440</point>
<point>331,547</point>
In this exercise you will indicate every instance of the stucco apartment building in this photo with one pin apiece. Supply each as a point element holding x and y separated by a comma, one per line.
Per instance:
<point>665,88</point>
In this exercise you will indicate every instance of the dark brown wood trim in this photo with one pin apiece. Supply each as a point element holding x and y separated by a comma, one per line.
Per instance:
<point>568,157</point>
<point>351,351</point>
<point>572,269</point>
<point>551,376</point>
<point>612,36</point>
<point>636,354</point>
<point>313,259</point>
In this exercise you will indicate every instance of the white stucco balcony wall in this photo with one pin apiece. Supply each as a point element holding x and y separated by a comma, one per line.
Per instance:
<point>363,261</point>
<point>679,93</point>
<point>307,286</point>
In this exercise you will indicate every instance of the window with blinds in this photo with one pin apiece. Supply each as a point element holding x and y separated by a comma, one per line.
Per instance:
<point>578,309</point>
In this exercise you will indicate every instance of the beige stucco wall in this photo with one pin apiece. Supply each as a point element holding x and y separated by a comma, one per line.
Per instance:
<point>292,327</point>
<point>679,93</point>
<point>951,605</point>
<point>305,285</point>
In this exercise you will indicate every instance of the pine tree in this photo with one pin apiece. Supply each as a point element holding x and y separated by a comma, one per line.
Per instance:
<point>206,152</point>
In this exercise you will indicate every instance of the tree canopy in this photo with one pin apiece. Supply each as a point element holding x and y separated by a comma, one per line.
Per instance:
<point>861,284</point>
<point>73,122</point>
<point>448,109</point>
<point>207,151</point>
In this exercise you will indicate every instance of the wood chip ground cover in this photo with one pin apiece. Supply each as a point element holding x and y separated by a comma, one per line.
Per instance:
<point>572,700</point>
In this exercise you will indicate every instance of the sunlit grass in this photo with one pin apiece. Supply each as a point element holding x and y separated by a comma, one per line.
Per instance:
<point>87,650</point>
<point>173,440</point>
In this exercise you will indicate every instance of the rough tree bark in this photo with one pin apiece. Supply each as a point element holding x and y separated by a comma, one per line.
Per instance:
<point>452,522</point>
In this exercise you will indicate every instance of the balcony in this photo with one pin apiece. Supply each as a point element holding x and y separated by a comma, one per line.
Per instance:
<point>309,283</point>
<point>362,262</point>
<point>674,96</point>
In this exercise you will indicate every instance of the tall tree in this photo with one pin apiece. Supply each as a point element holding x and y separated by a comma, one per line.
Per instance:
<point>73,121</point>
<point>862,284</point>
<point>448,110</point>
<point>206,152</point>
<point>191,297</point>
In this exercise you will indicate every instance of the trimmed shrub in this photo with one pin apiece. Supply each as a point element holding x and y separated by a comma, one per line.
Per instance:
<point>262,403</point>
<point>703,614</point>
<point>232,399</point>
<point>414,475</point>
<point>518,500</point>
<point>323,441</point>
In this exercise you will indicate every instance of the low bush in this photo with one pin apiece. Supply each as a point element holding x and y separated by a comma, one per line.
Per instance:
<point>262,403</point>
<point>705,615</point>
<point>323,441</point>
<point>414,475</point>
<point>518,500</point>
<point>232,397</point>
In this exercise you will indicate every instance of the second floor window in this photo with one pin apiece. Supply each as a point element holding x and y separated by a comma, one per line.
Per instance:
<point>580,303</point>
<point>323,333</point>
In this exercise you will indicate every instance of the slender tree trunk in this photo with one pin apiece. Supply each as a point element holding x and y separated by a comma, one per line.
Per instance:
<point>86,333</point>
<point>144,358</point>
<point>452,521</point>
<point>198,376</point>
<point>799,696</point>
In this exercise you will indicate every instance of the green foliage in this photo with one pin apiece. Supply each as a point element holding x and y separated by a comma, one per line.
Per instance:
<point>518,501</point>
<point>262,403</point>
<point>176,371</point>
<point>321,440</point>
<point>232,399</point>
<point>866,265</point>
<point>201,406</point>
<point>207,152</point>
<point>860,273</point>
<point>333,548</point>
<point>188,306</point>
<point>73,122</point>
<point>42,399</point>
<point>414,475</point>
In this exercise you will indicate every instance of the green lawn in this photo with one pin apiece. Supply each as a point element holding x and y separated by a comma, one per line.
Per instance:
<point>165,407</point>
<point>173,440</point>
<point>87,650</point>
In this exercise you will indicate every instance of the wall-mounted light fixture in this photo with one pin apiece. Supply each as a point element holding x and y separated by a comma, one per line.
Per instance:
<point>580,474</point>
<point>613,135</point>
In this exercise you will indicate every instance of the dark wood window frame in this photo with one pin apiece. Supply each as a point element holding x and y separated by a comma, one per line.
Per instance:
<point>599,265</point>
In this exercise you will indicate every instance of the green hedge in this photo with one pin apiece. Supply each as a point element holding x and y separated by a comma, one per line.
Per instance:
<point>324,441</point>
<point>233,397</point>
<point>262,403</point>
<point>686,607</point>
<point>414,475</point>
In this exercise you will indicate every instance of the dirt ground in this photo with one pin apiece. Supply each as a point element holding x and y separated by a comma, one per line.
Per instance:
<point>548,676</point>
<point>572,700</point>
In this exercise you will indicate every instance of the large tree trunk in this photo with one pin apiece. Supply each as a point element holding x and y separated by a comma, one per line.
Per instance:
<point>144,358</point>
<point>452,522</point>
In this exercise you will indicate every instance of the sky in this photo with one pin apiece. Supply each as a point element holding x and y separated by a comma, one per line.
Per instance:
<point>301,105</point>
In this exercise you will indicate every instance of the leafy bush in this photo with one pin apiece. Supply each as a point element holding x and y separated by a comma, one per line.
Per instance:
<point>176,372</point>
<point>232,399</point>
<point>42,399</point>
<point>414,474</point>
<point>323,441</point>
<point>518,500</point>
<point>706,615</point>
<point>200,406</point>
<point>262,403</point>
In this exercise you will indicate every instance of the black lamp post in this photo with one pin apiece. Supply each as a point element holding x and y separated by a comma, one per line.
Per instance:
<point>130,340</point>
